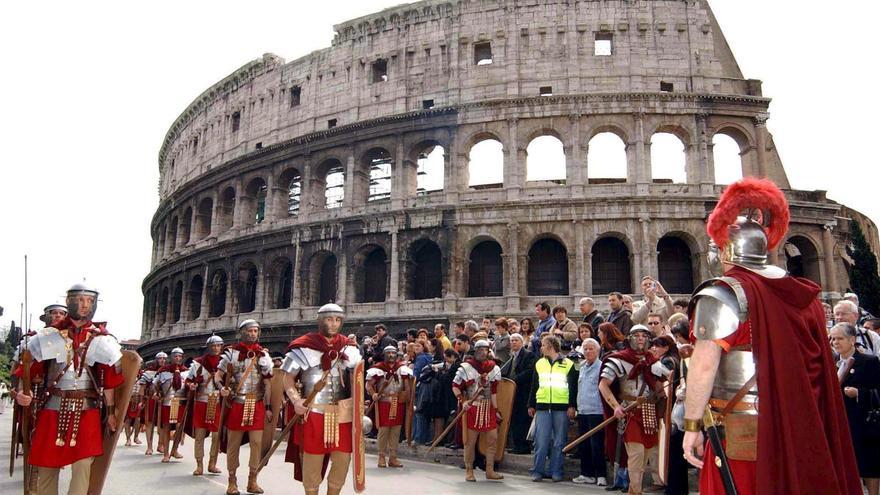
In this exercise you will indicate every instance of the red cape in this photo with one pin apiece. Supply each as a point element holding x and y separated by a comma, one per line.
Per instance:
<point>802,424</point>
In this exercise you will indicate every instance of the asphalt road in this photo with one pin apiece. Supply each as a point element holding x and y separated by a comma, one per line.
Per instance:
<point>134,473</point>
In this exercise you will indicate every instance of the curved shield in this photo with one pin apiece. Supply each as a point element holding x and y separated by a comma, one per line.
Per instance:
<point>504,395</point>
<point>358,445</point>
<point>277,399</point>
<point>130,363</point>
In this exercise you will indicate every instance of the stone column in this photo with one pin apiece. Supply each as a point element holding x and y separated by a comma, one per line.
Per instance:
<point>453,174</point>
<point>828,251</point>
<point>580,272</point>
<point>574,161</point>
<point>342,274</point>
<point>231,286</point>
<point>706,165</point>
<point>761,144</point>
<point>512,285</point>
<point>307,195</point>
<point>296,283</point>
<point>391,303</point>
<point>514,168</point>
<point>206,296</point>
<point>647,251</point>
<point>399,175</point>
<point>348,202</point>
<point>639,168</point>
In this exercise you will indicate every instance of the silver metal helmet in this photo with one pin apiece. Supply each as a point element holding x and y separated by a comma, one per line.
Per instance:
<point>631,336</point>
<point>46,317</point>
<point>390,348</point>
<point>747,247</point>
<point>213,339</point>
<point>480,344</point>
<point>82,301</point>
<point>161,355</point>
<point>367,423</point>
<point>330,309</point>
<point>176,350</point>
<point>247,324</point>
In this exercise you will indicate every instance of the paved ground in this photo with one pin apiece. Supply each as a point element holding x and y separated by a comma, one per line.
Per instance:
<point>133,473</point>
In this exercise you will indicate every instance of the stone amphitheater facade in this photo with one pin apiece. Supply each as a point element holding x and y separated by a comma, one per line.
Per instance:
<point>249,226</point>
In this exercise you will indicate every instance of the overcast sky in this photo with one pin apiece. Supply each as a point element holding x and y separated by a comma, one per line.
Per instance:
<point>90,88</point>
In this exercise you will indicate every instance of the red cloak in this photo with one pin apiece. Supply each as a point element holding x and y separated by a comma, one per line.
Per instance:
<point>802,424</point>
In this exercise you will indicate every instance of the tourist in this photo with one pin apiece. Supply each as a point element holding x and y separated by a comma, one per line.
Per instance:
<point>620,316</point>
<point>591,314</point>
<point>501,343</point>
<point>589,415</point>
<point>847,311</point>
<point>656,301</point>
<point>440,334</point>
<point>520,368</point>
<point>564,328</point>
<point>611,338</point>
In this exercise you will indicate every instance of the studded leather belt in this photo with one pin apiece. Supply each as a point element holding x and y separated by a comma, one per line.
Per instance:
<point>74,394</point>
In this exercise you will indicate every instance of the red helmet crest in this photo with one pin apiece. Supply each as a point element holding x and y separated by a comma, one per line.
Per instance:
<point>756,194</point>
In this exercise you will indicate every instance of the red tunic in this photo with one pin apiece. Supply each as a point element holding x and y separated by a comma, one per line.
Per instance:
<point>489,420</point>
<point>166,414</point>
<point>236,414</point>
<point>384,406</point>
<point>804,445</point>
<point>199,412</point>
<point>150,411</point>
<point>309,436</point>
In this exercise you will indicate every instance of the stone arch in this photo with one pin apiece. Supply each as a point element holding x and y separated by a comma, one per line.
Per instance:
<point>185,229</point>
<point>611,263</point>
<point>669,161</point>
<point>226,209</point>
<point>732,160</point>
<point>373,180</point>
<point>547,267</point>
<point>675,264</point>
<point>162,315</point>
<point>430,158</point>
<point>160,244</point>
<point>485,269</point>
<point>253,202</point>
<point>172,234</point>
<point>194,297</point>
<point>545,157</point>
<point>330,178</point>
<point>425,270</point>
<point>607,155</point>
<point>371,269</point>
<point>291,182</point>
<point>802,257</point>
<point>279,282</point>
<point>177,302</point>
<point>246,282</point>
<point>217,292</point>
<point>485,161</point>
<point>322,278</point>
<point>204,216</point>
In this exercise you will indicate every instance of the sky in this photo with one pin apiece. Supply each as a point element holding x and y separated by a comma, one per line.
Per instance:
<point>89,90</point>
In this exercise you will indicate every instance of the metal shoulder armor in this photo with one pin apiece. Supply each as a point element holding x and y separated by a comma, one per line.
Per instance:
<point>717,308</point>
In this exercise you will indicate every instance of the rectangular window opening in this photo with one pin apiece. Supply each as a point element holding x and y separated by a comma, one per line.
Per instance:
<point>427,104</point>
<point>380,70</point>
<point>603,44</point>
<point>331,123</point>
<point>195,145</point>
<point>294,96</point>
<point>483,53</point>
<point>666,86</point>
<point>546,91</point>
<point>236,121</point>
<point>259,145</point>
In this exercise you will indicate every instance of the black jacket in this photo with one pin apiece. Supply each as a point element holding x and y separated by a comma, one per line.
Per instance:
<point>622,320</point>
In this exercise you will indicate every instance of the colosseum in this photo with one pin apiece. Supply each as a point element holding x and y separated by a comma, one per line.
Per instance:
<point>391,172</point>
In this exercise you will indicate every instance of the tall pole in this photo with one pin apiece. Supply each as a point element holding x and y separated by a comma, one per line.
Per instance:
<point>27,325</point>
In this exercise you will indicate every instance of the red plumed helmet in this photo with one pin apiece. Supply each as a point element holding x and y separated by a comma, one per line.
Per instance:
<point>755,194</point>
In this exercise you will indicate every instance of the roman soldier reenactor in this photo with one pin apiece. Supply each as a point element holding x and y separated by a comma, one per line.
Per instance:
<point>135,412</point>
<point>326,370</point>
<point>202,378</point>
<point>628,376</point>
<point>248,368</point>
<point>151,398</point>
<point>389,384</point>
<point>761,365</point>
<point>82,367</point>
<point>474,385</point>
<point>169,384</point>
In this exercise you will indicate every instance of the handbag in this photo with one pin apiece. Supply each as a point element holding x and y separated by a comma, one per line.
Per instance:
<point>872,417</point>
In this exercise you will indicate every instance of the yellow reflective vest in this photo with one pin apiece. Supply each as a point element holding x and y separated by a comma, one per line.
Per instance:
<point>552,381</point>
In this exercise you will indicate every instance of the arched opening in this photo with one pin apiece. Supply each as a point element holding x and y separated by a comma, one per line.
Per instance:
<point>150,308</point>
<point>548,268</point>
<point>430,166</point>
<point>163,306</point>
<point>204,212</point>
<point>218,287</point>
<point>226,212</point>
<point>425,270</point>
<point>727,157</point>
<point>186,226</point>
<point>280,283</point>
<point>545,160</point>
<point>160,253</point>
<point>371,283</point>
<point>292,181</point>
<point>802,258</point>
<point>334,186</point>
<point>247,287</point>
<point>253,203</point>
<point>611,266</point>
<point>177,302</point>
<point>378,162</point>
<point>668,160</point>
<point>172,235</point>
<point>606,158</point>
<point>194,294</point>
<point>486,164</point>
<point>486,271</point>
<point>327,282</point>
<point>675,265</point>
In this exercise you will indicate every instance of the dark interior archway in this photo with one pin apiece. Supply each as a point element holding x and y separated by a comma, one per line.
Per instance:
<point>548,268</point>
<point>675,265</point>
<point>485,272</point>
<point>611,266</point>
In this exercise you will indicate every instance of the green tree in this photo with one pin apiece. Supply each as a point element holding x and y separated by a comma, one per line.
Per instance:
<point>863,278</point>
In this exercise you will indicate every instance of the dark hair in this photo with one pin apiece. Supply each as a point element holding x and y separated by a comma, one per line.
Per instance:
<point>681,302</point>
<point>412,332</point>
<point>586,325</point>
<point>681,328</point>
<point>553,340</point>
<point>450,353</point>
<point>438,349</point>
<point>531,325</point>
<point>544,306</point>
<point>459,324</point>
<point>463,337</point>
<point>559,308</point>
<point>501,322</point>
<point>610,336</point>
<point>381,327</point>
<point>669,343</point>
<point>616,294</point>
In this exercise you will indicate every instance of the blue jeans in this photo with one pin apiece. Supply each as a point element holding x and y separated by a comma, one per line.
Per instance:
<point>551,431</point>
<point>421,432</point>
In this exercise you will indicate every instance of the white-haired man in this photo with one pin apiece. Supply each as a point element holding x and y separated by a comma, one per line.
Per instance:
<point>590,414</point>
<point>520,368</point>
<point>591,314</point>
<point>846,311</point>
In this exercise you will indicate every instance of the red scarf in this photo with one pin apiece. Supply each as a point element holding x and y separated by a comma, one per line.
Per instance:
<point>209,361</point>
<point>329,350</point>
<point>389,369</point>
<point>176,370</point>
<point>80,335</point>
<point>482,368</point>
<point>244,349</point>
<point>641,362</point>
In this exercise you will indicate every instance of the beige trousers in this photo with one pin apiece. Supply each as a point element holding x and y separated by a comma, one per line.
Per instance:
<point>233,444</point>
<point>81,470</point>
<point>637,454</point>
<point>311,468</point>
<point>470,445</point>
<point>389,439</point>
<point>201,433</point>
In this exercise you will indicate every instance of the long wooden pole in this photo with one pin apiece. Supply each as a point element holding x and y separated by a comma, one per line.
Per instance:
<point>599,427</point>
